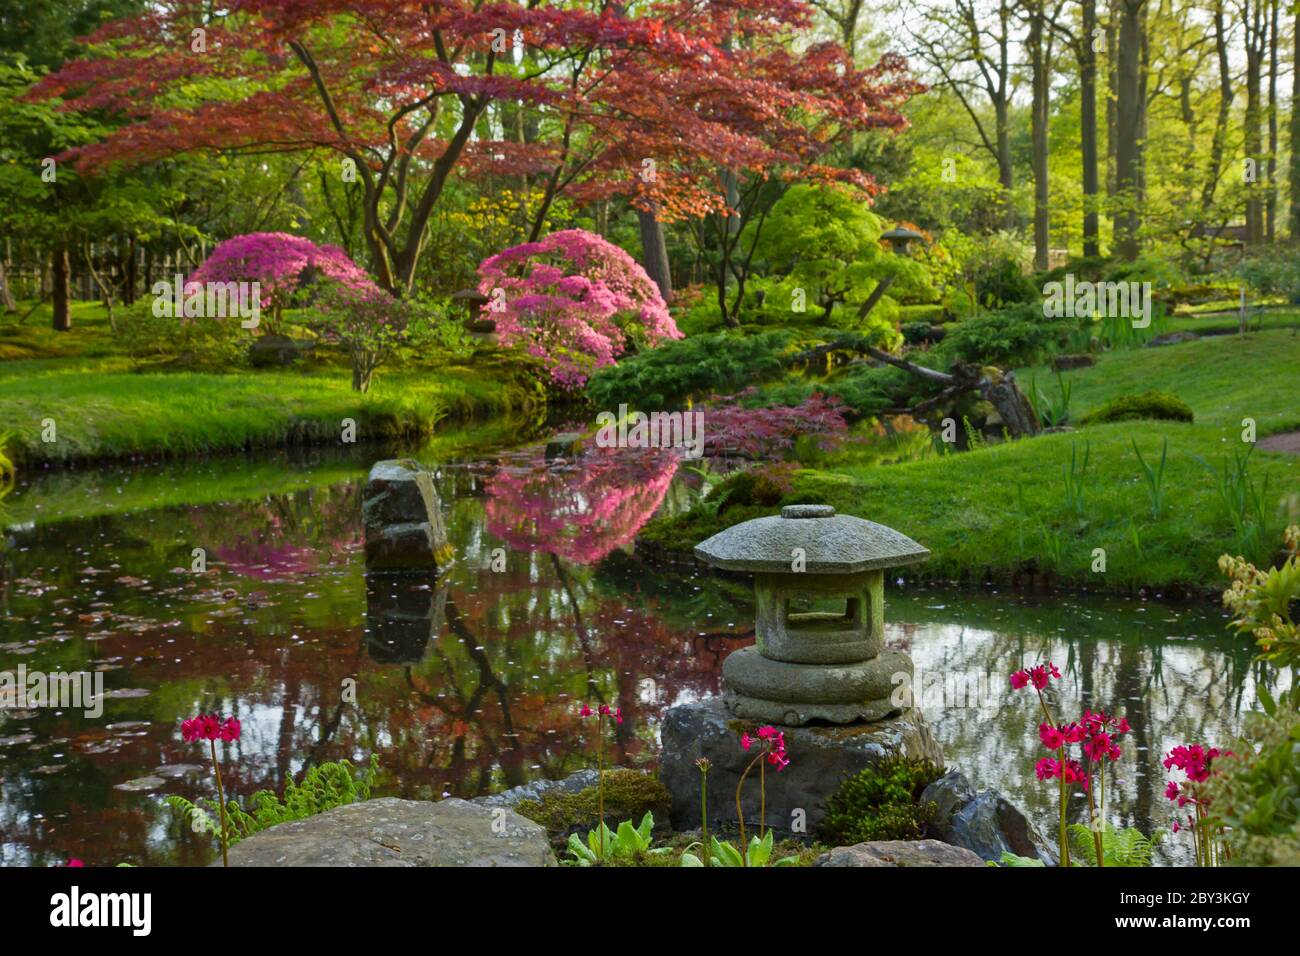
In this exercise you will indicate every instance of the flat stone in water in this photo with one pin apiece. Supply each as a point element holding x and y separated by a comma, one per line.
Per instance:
<point>175,770</point>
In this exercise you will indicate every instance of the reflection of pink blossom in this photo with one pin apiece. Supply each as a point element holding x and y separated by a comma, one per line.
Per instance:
<point>266,561</point>
<point>579,510</point>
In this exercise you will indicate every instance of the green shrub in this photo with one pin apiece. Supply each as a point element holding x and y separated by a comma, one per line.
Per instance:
<point>1153,405</point>
<point>1159,271</point>
<point>1255,792</point>
<point>198,344</point>
<point>882,803</point>
<point>702,365</point>
<point>1009,338</point>
<point>763,486</point>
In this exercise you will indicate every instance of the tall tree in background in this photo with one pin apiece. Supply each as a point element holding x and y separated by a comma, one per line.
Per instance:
<point>1130,110</point>
<point>1254,20</point>
<point>397,91</point>
<point>1040,19</point>
<point>970,48</point>
<point>1295,123</point>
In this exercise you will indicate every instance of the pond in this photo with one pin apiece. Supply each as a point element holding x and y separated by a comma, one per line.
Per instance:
<point>472,683</point>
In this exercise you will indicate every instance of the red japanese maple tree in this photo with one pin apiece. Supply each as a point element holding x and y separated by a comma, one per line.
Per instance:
<point>590,99</point>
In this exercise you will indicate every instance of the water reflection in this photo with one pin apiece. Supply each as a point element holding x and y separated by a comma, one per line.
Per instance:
<point>470,682</point>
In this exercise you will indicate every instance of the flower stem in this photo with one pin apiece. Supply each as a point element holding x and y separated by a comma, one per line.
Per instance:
<point>740,814</point>
<point>704,812</point>
<point>600,780</point>
<point>221,803</point>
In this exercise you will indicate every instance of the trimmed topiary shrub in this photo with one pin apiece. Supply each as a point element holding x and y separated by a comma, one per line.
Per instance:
<point>1153,405</point>
<point>882,803</point>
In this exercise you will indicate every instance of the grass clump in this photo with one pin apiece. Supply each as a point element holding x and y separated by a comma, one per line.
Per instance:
<point>1160,406</point>
<point>882,802</point>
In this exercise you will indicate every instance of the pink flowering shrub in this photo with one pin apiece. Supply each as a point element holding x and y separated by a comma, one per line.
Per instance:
<point>367,323</point>
<point>733,431</point>
<point>280,263</point>
<point>575,301</point>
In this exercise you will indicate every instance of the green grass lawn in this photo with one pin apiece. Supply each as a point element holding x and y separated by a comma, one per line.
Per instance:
<point>1000,512</point>
<point>102,407</point>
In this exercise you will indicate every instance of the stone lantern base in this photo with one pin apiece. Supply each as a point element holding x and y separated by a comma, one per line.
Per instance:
<point>778,692</point>
<point>821,758</point>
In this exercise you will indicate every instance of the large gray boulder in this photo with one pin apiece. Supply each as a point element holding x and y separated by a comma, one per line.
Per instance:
<point>403,520</point>
<point>899,853</point>
<point>821,757</point>
<point>985,822</point>
<point>392,832</point>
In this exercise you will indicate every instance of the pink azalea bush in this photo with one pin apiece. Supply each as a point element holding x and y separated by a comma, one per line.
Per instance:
<point>574,301</point>
<point>280,263</point>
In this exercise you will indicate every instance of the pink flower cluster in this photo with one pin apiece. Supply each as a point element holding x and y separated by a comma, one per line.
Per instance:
<point>575,301</point>
<point>604,711</point>
<point>1039,676</point>
<point>277,260</point>
<point>1195,761</point>
<point>773,742</point>
<point>734,431</point>
<point>210,727</point>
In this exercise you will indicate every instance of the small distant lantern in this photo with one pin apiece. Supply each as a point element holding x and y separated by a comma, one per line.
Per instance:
<point>476,323</point>
<point>900,237</point>
<point>811,665</point>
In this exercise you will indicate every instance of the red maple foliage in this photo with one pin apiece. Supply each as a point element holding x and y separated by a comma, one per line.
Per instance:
<point>657,103</point>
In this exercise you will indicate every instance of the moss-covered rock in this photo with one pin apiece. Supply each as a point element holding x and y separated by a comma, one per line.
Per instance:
<point>1150,405</point>
<point>628,795</point>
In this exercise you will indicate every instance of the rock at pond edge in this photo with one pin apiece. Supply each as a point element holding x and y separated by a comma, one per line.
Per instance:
<point>393,832</point>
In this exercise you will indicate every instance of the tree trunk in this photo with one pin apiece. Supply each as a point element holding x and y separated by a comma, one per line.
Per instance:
<point>654,252</point>
<point>1218,143</point>
<point>1129,108</point>
<point>1038,136</point>
<point>1088,133</point>
<point>1015,409</point>
<point>1253,17</point>
<point>6,294</point>
<point>1295,131</point>
<point>62,270</point>
<point>1270,198</point>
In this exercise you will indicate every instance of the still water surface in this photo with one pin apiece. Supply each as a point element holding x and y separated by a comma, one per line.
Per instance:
<point>471,683</point>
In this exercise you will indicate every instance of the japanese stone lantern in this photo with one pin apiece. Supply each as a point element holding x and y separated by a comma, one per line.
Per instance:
<point>810,664</point>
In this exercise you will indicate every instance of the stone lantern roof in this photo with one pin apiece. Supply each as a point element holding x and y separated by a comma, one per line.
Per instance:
<point>831,543</point>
